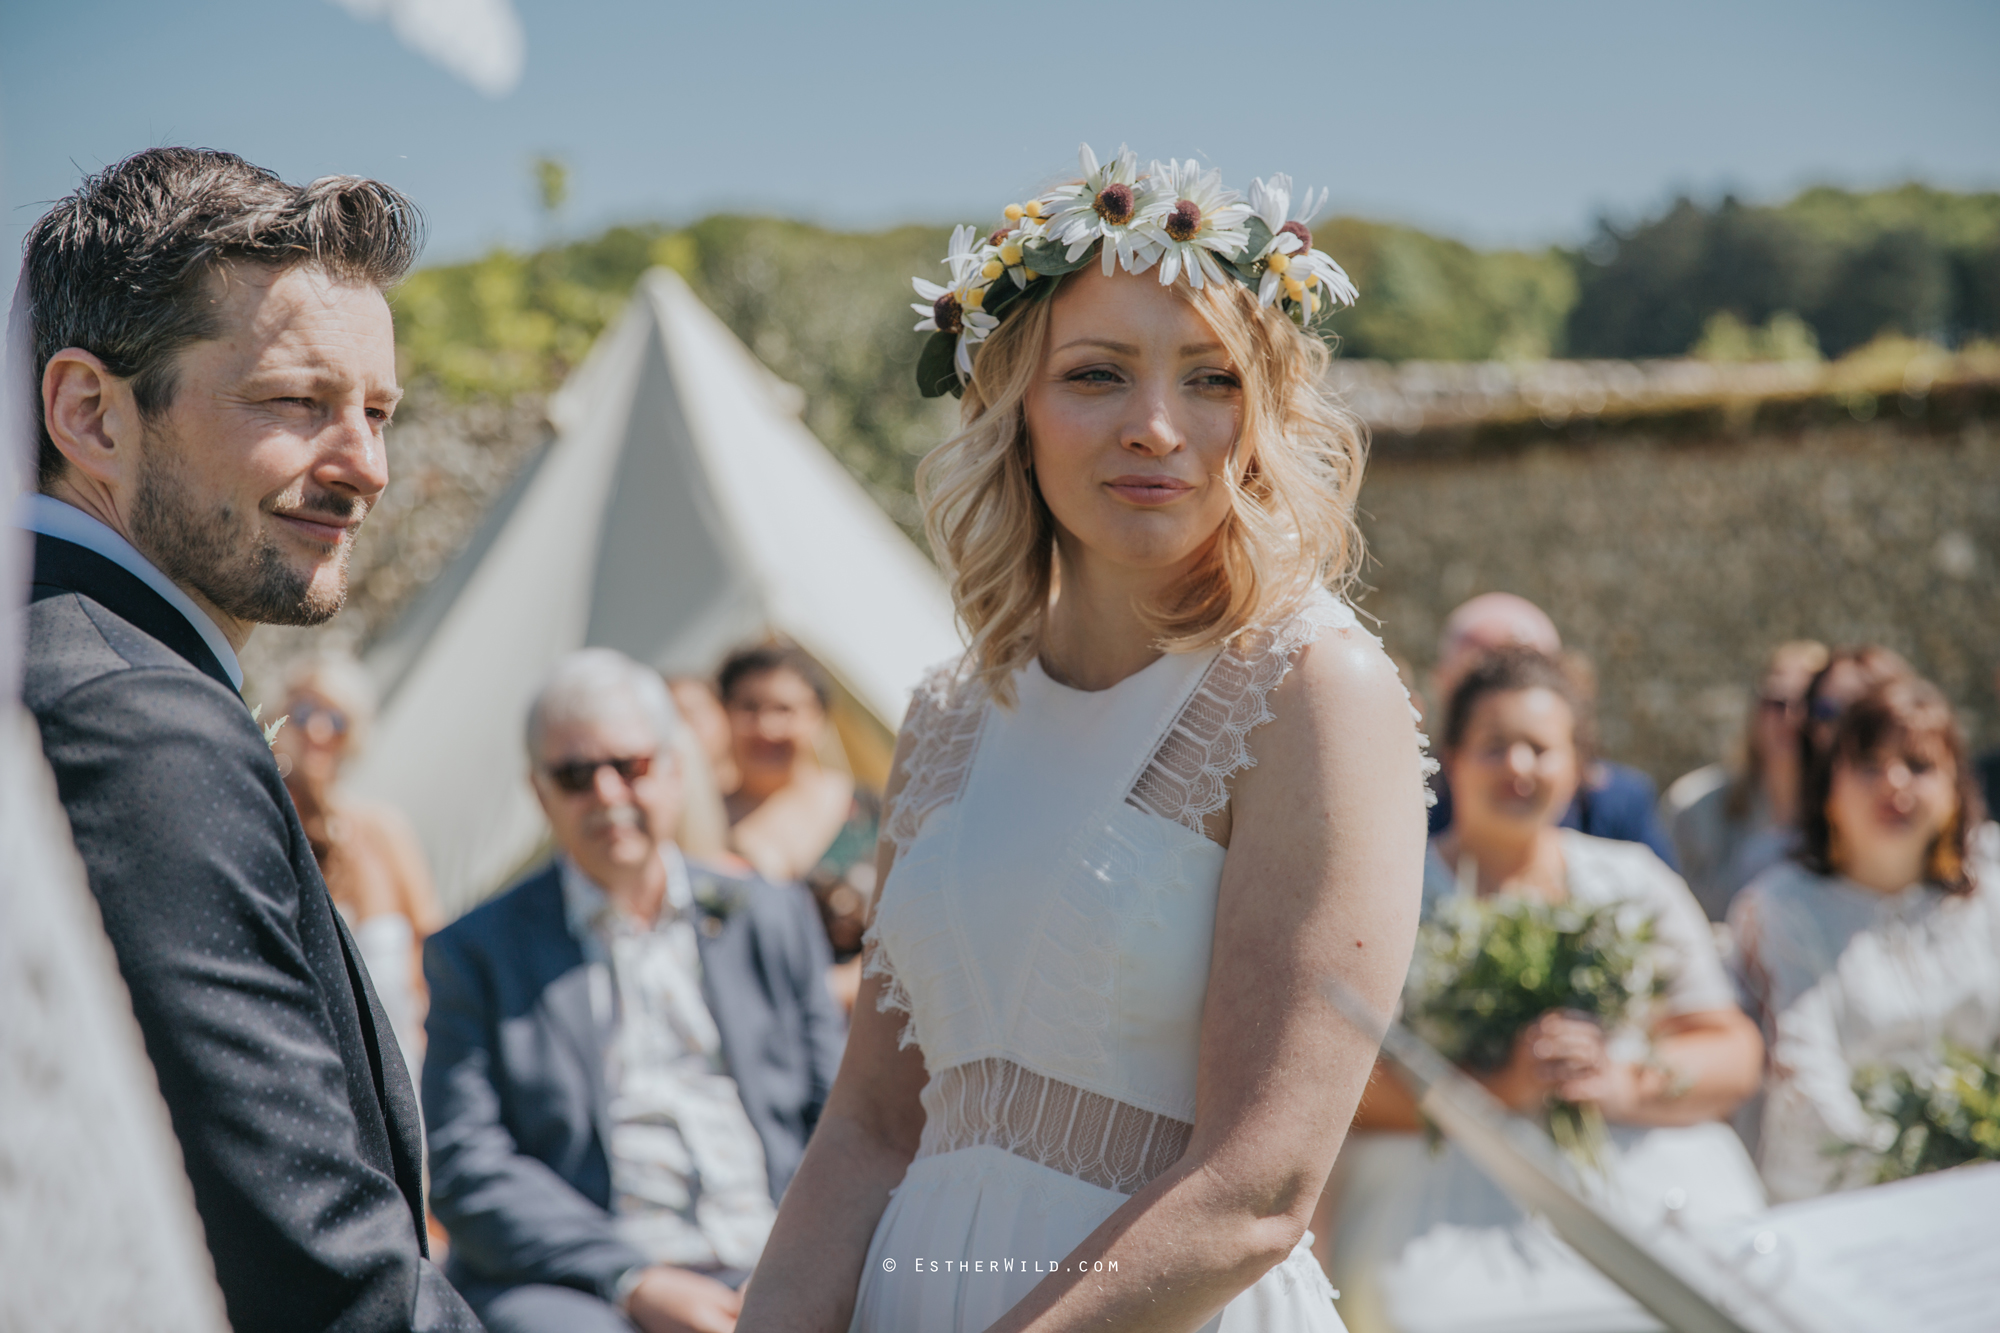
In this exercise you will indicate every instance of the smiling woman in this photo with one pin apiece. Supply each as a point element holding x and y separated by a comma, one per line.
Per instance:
<point>1254,511</point>
<point>1091,1081</point>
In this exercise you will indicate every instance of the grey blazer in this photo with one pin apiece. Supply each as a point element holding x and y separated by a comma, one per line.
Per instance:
<point>513,1085</point>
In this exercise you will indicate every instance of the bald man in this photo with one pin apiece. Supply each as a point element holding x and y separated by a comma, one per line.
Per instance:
<point>1614,801</point>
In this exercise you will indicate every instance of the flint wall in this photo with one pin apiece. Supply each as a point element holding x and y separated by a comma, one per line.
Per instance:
<point>1676,548</point>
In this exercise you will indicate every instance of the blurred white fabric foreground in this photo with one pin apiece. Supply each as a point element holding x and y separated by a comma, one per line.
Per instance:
<point>97,1223</point>
<point>1427,1244</point>
<point>480,41</point>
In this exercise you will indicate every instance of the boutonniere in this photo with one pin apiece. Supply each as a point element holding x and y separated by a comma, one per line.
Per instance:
<point>272,729</point>
<point>715,901</point>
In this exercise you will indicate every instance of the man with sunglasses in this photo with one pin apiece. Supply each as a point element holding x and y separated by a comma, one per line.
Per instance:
<point>627,1049</point>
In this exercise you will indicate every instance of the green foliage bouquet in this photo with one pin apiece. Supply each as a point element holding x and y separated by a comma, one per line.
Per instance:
<point>1947,1116</point>
<point>1485,969</point>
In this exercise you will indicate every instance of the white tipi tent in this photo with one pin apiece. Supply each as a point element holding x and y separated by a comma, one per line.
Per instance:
<point>683,509</point>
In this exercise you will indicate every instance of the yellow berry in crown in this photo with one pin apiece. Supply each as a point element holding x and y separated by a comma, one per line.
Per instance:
<point>974,299</point>
<point>1033,208</point>
<point>992,269</point>
<point>1010,253</point>
<point>1278,263</point>
<point>1013,212</point>
<point>1294,288</point>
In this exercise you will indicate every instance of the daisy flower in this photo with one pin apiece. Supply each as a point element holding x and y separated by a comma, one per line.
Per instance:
<point>955,310</point>
<point>1187,220</point>
<point>1303,275</point>
<point>1102,206</point>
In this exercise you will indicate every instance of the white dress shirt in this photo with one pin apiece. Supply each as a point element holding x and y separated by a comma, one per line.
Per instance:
<point>688,1178</point>
<point>58,518</point>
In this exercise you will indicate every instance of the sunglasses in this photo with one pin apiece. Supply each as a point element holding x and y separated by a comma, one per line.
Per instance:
<point>581,775</point>
<point>303,714</point>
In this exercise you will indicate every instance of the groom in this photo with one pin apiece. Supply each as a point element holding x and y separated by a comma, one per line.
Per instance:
<point>217,366</point>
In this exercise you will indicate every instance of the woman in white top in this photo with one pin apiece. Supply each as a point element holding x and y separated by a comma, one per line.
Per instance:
<point>1422,1239</point>
<point>375,869</point>
<point>1093,1082</point>
<point>1881,945</point>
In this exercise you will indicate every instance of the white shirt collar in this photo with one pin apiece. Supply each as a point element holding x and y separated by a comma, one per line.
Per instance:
<point>58,518</point>
<point>584,902</point>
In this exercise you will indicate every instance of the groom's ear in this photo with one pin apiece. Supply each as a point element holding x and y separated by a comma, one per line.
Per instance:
<point>92,417</point>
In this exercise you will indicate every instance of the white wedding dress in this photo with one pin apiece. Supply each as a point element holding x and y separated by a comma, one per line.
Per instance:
<point>1047,928</point>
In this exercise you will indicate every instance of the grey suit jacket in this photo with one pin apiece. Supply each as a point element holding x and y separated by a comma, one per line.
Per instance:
<point>514,1088</point>
<point>297,1122</point>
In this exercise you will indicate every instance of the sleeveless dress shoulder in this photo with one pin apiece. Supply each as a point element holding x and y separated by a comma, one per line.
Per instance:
<point>1046,930</point>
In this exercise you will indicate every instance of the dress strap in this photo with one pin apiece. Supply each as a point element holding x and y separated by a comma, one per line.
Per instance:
<point>1187,779</point>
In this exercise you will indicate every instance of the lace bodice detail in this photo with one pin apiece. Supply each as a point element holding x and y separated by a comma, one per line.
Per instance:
<point>944,720</point>
<point>1048,919</point>
<point>996,1103</point>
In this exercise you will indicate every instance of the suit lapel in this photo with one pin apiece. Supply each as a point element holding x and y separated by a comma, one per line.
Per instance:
<point>393,1089</point>
<point>721,962</point>
<point>565,1000</point>
<point>62,567</point>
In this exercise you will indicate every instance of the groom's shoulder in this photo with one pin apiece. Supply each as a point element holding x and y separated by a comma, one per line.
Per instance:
<point>74,641</point>
<point>108,696</point>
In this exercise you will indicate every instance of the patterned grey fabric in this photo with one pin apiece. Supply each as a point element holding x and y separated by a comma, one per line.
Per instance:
<point>295,1116</point>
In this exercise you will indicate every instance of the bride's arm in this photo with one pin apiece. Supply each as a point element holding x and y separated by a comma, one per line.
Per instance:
<point>1322,879</point>
<point>811,1267</point>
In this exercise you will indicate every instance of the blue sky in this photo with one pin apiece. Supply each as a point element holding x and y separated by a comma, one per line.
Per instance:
<point>1502,123</point>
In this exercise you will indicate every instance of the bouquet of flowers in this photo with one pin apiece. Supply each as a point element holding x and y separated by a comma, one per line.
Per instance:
<point>1947,1116</point>
<point>1487,968</point>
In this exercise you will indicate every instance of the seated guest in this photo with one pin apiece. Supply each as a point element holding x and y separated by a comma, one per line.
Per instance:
<point>627,1050</point>
<point>1406,1224</point>
<point>1848,674</point>
<point>701,709</point>
<point>1730,822</point>
<point>790,816</point>
<point>1611,800</point>
<point>216,370</point>
<point>374,866</point>
<point>1881,943</point>
<point>1988,763</point>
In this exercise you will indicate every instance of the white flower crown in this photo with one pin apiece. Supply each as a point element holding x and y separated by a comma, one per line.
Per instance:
<point>1172,215</point>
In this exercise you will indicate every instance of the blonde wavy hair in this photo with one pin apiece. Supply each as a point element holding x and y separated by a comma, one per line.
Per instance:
<point>1296,468</point>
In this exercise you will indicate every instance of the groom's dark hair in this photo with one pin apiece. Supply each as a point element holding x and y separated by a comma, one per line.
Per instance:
<point>119,268</point>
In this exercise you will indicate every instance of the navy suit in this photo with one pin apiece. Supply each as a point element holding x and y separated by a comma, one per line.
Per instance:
<point>296,1119</point>
<point>514,1087</point>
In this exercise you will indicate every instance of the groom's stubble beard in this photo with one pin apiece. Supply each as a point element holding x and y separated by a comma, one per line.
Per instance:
<point>209,544</point>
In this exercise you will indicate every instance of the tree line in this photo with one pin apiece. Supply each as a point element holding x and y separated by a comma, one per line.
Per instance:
<point>1822,273</point>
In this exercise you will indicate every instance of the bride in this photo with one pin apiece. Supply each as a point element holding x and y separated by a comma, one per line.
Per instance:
<point>1172,786</point>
